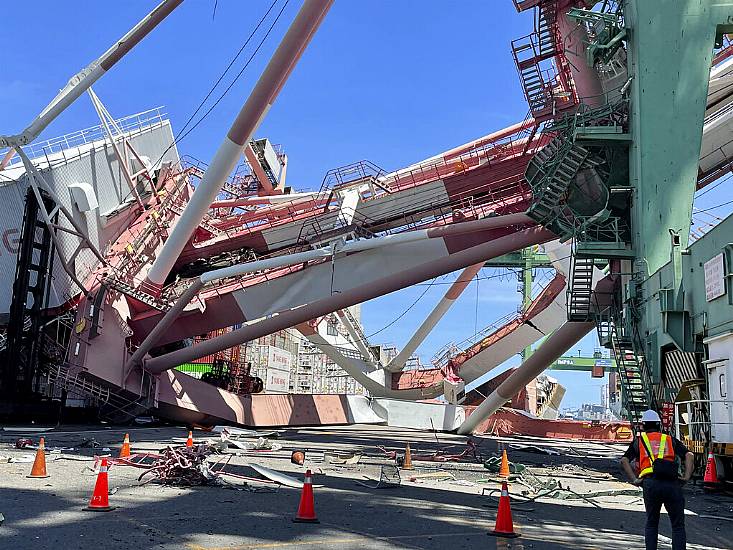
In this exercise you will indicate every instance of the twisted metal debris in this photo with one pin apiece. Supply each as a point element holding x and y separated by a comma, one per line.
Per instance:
<point>185,466</point>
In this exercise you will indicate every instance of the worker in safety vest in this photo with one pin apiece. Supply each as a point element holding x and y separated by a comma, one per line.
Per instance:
<point>660,456</point>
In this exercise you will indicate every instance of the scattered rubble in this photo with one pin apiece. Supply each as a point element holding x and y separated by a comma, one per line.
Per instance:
<point>389,477</point>
<point>184,466</point>
<point>278,477</point>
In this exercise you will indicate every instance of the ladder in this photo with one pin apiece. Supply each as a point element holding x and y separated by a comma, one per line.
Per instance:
<point>116,284</point>
<point>545,29</point>
<point>557,175</point>
<point>580,289</point>
<point>637,396</point>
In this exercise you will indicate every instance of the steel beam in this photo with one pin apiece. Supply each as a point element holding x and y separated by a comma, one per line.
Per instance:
<point>374,387</point>
<point>379,287</point>
<point>453,293</point>
<point>81,81</point>
<point>552,348</point>
<point>248,120</point>
<point>354,331</point>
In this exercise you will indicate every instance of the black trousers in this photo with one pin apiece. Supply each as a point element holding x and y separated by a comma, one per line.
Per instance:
<point>669,493</point>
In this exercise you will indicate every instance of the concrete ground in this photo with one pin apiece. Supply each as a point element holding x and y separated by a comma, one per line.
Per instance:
<point>427,513</point>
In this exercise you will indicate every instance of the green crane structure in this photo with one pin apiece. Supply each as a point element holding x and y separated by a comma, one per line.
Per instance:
<point>618,179</point>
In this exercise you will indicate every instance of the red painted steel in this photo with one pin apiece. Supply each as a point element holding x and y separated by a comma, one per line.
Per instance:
<point>507,422</point>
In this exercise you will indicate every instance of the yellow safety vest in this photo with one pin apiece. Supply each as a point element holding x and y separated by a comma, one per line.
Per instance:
<point>657,443</point>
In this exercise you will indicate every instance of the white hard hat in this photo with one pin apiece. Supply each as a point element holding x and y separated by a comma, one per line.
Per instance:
<point>650,416</point>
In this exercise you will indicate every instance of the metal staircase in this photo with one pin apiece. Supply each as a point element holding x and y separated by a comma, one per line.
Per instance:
<point>139,295</point>
<point>580,289</point>
<point>636,382</point>
<point>240,184</point>
<point>535,90</point>
<point>113,406</point>
<point>546,94</point>
<point>62,377</point>
<point>636,393</point>
<point>205,222</point>
<point>550,175</point>
<point>545,29</point>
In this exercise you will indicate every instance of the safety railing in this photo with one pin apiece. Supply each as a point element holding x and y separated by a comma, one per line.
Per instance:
<point>694,419</point>
<point>241,183</point>
<point>351,172</point>
<point>526,49</point>
<point>522,5</point>
<point>78,138</point>
<point>452,349</point>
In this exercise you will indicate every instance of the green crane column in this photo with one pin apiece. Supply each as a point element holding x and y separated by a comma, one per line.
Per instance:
<point>670,47</point>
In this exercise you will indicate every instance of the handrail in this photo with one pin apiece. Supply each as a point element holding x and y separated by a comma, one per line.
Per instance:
<point>85,136</point>
<point>706,420</point>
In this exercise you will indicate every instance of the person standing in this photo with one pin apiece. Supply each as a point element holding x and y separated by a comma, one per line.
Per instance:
<point>660,456</point>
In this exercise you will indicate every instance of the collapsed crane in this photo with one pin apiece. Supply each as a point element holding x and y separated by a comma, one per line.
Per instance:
<point>192,248</point>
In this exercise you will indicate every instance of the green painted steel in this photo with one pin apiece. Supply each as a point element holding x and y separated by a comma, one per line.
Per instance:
<point>705,317</point>
<point>620,179</point>
<point>669,55</point>
<point>199,368</point>
<point>518,259</point>
<point>670,48</point>
<point>583,364</point>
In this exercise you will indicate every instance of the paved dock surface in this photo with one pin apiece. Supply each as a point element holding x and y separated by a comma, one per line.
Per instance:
<point>425,513</point>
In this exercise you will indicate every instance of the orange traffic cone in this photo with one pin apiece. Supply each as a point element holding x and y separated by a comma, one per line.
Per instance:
<point>504,468</point>
<point>504,525</point>
<point>100,498</point>
<point>125,450</point>
<point>306,509</point>
<point>189,441</point>
<point>39,464</point>
<point>407,465</point>
<point>710,481</point>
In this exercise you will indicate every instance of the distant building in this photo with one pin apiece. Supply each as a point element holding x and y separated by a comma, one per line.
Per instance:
<point>588,412</point>
<point>314,372</point>
<point>285,361</point>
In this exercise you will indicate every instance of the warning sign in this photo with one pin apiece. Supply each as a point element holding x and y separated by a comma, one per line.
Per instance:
<point>714,278</point>
<point>667,414</point>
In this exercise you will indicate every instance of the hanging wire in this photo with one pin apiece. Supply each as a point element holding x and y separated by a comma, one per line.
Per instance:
<point>183,133</point>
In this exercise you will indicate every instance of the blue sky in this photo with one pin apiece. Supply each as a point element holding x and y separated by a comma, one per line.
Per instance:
<point>391,82</point>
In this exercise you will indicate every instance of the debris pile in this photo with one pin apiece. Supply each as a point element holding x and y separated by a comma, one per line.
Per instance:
<point>452,453</point>
<point>185,466</point>
<point>493,465</point>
